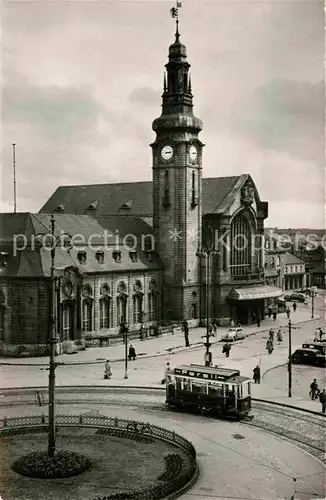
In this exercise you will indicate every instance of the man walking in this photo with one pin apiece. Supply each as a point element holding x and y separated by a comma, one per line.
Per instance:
<point>256,377</point>
<point>322,399</point>
<point>186,332</point>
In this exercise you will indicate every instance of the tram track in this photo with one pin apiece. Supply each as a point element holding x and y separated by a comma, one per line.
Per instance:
<point>304,428</point>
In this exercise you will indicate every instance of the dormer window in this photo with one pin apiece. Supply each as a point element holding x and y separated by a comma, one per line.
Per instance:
<point>133,256</point>
<point>149,255</point>
<point>81,256</point>
<point>100,257</point>
<point>116,254</point>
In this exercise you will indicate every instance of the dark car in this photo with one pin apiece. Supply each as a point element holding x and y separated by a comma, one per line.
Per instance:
<point>308,357</point>
<point>305,357</point>
<point>295,297</point>
<point>320,347</point>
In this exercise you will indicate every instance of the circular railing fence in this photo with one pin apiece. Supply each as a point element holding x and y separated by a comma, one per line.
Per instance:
<point>170,489</point>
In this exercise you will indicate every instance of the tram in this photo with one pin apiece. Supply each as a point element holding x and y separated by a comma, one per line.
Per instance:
<point>221,391</point>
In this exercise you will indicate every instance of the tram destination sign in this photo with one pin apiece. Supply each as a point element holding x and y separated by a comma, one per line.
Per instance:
<point>207,375</point>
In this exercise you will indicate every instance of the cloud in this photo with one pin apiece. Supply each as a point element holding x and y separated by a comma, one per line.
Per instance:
<point>285,115</point>
<point>144,95</point>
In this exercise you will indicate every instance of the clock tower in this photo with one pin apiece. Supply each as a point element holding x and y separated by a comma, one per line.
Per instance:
<point>177,188</point>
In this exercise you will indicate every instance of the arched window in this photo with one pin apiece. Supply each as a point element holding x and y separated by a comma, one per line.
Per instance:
<point>152,302</point>
<point>241,244</point>
<point>122,309</point>
<point>105,303</point>
<point>137,307</point>
<point>2,323</point>
<point>66,321</point>
<point>87,315</point>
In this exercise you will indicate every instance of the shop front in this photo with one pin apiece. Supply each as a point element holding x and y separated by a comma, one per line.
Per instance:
<point>248,304</point>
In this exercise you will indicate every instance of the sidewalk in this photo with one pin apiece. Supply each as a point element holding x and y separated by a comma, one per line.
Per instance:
<point>87,367</point>
<point>168,343</point>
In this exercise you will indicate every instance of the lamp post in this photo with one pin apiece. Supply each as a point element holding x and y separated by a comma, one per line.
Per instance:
<point>52,337</point>
<point>313,295</point>
<point>290,328</point>
<point>206,253</point>
<point>126,352</point>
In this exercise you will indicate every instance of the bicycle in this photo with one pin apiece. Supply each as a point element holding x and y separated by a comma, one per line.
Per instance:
<point>314,394</point>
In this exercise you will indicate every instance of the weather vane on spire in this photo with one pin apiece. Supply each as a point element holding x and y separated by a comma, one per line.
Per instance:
<point>175,14</point>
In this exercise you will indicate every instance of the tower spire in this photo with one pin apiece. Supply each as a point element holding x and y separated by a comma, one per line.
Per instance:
<point>175,14</point>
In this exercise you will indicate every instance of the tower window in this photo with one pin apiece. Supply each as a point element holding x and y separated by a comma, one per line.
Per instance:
<point>166,194</point>
<point>194,197</point>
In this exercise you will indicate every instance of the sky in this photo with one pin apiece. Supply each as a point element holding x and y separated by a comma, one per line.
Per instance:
<point>82,83</point>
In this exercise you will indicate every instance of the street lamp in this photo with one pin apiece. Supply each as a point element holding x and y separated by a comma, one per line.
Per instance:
<point>206,253</point>
<point>52,337</point>
<point>313,295</point>
<point>290,328</point>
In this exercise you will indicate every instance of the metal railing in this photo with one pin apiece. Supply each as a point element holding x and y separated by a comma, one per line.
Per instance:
<point>98,421</point>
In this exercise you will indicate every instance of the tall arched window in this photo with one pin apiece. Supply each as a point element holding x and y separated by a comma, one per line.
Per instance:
<point>152,302</point>
<point>105,303</point>
<point>122,309</point>
<point>87,315</point>
<point>67,319</point>
<point>241,244</point>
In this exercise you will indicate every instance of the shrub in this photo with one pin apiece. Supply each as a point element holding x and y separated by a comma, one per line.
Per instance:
<point>62,464</point>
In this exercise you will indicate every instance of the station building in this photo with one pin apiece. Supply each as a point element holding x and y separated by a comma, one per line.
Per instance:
<point>181,246</point>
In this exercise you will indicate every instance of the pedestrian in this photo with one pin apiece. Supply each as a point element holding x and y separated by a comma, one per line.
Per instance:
<point>305,301</point>
<point>279,336</point>
<point>271,334</point>
<point>256,377</point>
<point>107,370</point>
<point>258,321</point>
<point>294,306</point>
<point>322,399</point>
<point>269,346</point>
<point>167,376</point>
<point>274,316</point>
<point>232,323</point>
<point>132,353</point>
<point>269,311</point>
<point>226,349</point>
<point>210,330</point>
<point>186,333</point>
<point>215,327</point>
<point>288,312</point>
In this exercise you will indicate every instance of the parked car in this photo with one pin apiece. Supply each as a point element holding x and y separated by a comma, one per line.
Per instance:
<point>318,346</point>
<point>309,357</point>
<point>233,334</point>
<point>295,297</point>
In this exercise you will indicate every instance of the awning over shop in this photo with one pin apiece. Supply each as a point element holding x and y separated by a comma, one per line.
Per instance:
<point>255,293</point>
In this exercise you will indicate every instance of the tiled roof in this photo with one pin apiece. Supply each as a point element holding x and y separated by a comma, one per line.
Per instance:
<point>289,258</point>
<point>88,233</point>
<point>136,197</point>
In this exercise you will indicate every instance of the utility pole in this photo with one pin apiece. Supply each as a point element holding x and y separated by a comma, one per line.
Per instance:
<point>290,328</point>
<point>206,253</point>
<point>290,360</point>
<point>52,343</point>
<point>312,302</point>
<point>52,337</point>
<point>126,352</point>
<point>14,169</point>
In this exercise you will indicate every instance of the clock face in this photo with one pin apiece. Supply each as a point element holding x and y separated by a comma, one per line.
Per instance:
<point>167,153</point>
<point>193,152</point>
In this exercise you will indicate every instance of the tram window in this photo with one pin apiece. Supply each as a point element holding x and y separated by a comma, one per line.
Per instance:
<point>187,385</point>
<point>178,384</point>
<point>216,390</point>
<point>240,391</point>
<point>246,390</point>
<point>198,388</point>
